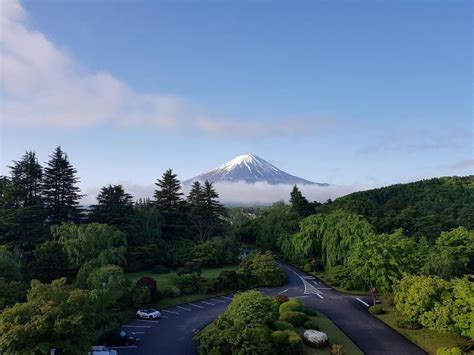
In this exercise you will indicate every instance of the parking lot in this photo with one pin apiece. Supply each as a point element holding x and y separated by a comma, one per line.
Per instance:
<point>173,327</point>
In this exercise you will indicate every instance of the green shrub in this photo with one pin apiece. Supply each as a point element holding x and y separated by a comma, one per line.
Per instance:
<point>280,325</point>
<point>190,267</point>
<point>295,318</point>
<point>171,291</point>
<point>311,312</point>
<point>402,323</point>
<point>293,305</point>
<point>263,270</point>
<point>279,338</point>
<point>311,324</point>
<point>252,307</point>
<point>336,349</point>
<point>377,310</point>
<point>227,280</point>
<point>160,269</point>
<point>281,299</point>
<point>295,344</point>
<point>190,283</point>
<point>308,267</point>
<point>446,351</point>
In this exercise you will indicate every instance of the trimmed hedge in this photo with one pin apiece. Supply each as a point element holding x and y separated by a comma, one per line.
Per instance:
<point>287,342</point>
<point>279,338</point>
<point>311,324</point>
<point>377,310</point>
<point>291,306</point>
<point>295,318</point>
<point>280,325</point>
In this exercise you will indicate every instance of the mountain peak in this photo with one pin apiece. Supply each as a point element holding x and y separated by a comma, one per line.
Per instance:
<point>250,168</point>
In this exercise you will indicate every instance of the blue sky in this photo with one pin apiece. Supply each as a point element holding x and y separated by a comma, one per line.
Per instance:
<point>345,92</point>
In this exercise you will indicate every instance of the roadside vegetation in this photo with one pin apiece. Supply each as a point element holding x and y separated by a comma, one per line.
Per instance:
<point>258,324</point>
<point>389,240</point>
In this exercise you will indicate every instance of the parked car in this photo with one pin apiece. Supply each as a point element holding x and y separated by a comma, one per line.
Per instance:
<point>149,313</point>
<point>117,338</point>
<point>102,350</point>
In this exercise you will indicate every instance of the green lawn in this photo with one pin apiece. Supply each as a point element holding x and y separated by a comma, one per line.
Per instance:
<point>429,340</point>
<point>165,280</point>
<point>335,335</point>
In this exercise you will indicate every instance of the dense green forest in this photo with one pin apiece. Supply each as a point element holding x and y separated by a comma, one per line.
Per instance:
<point>423,208</point>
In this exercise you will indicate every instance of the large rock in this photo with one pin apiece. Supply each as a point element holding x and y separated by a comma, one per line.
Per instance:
<point>315,338</point>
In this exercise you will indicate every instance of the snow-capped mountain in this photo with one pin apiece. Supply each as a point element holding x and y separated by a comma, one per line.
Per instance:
<point>250,168</point>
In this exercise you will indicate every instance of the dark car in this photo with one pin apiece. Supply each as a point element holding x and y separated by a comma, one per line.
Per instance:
<point>117,338</point>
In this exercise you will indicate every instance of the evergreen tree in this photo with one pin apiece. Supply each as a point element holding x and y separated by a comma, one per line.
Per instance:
<point>26,176</point>
<point>61,194</point>
<point>115,207</point>
<point>299,203</point>
<point>213,211</point>
<point>168,199</point>
<point>22,213</point>
<point>197,209</point>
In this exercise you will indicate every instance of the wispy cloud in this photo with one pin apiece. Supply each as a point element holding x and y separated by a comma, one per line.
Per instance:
<point>245,193</point>
<point>44,85</point>
<point>411,141</point>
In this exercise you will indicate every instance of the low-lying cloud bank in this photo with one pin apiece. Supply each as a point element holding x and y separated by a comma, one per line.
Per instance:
<point>242,193</point>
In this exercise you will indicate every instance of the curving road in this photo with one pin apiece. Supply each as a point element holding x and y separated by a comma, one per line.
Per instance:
<point>173,334</point>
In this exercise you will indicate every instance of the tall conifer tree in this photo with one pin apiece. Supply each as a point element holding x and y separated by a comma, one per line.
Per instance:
<point>60,190</point>
<point>26,177</point>
<point>197,209</point>
<point>115,207</point>
<point>214,210</point>
<point>168,198</point>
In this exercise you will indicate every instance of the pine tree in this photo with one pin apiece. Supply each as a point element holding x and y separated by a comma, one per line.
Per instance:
<point>168,199</point>
<point>214,210</point>
<point>22,214</point>
<point>26,177</point>
<point>197,209</point>
<point>60,190</point>
<point>299,203</point>
<point>115,207</point>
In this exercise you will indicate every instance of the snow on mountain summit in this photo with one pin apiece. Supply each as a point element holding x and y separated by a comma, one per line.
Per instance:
<point>250,168</point>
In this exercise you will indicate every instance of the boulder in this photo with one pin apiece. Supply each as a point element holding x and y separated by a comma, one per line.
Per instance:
<point>315,338</point>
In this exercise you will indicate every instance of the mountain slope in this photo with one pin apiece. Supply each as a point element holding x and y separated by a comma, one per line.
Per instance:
<point>421,208</point>
<point>250,168</point>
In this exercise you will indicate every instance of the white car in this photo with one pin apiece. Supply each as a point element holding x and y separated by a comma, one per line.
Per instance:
<point>102,350</point>
<point>149,313</point>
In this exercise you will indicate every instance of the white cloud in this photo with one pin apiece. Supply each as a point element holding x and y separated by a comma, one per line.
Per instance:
<point>246,193</point>
<point>42,84</point>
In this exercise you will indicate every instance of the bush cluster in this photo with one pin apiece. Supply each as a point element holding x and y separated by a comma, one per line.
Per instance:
<point>190,283</point>
<point>295,318</point>
<point>432,302</point>
<point>291,306</point>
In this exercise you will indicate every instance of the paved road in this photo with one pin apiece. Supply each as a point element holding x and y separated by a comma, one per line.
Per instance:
<point>173,334</point>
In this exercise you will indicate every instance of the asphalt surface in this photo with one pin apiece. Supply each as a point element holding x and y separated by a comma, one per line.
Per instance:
<point>173,333</point>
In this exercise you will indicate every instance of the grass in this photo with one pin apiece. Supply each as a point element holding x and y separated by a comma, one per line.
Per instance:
<point>165,280</point>
<point>335,335</point>
<point>323,275</point>
<point>427,339</point>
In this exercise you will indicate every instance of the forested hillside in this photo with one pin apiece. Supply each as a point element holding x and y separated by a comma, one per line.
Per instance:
<point>422,208</point>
